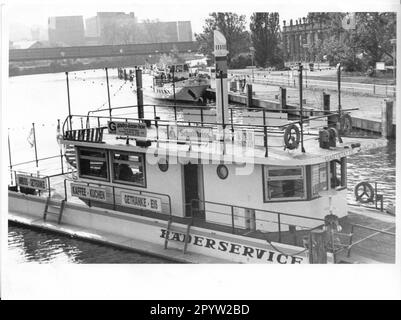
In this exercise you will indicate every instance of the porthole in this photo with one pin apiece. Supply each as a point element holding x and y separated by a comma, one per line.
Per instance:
<point>222,171</point>
<point>163,165</point>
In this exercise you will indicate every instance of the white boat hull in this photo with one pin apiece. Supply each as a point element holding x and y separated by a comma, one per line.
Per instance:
<point>149,235</point>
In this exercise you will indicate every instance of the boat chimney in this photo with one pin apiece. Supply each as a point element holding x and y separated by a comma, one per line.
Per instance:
<point>220,53</point>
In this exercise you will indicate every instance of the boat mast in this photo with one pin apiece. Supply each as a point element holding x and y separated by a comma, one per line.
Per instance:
<point>339,86</point>
<point>174,84</point>
<point>139,92</point>
<point>301,107</point>
<point>69,103</point>
<point>108,91</point>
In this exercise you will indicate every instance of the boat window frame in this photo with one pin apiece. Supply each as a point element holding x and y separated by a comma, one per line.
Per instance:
<point>343,173</point>
<point>124,182</point>
<point>266,179</point>
<point>317,195</point>
<point>92,177</point>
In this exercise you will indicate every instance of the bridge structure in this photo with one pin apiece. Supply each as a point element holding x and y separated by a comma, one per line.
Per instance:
<point>82,52</point>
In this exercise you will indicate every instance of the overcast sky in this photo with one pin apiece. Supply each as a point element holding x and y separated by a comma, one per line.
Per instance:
<point>36,12</point>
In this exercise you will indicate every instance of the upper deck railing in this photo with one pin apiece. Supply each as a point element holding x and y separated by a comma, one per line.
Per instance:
<point>160,119</point>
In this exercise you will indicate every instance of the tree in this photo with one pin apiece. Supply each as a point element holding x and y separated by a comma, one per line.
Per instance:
<point>373,34</point>
<point>232,26</point>
<point>360,48</point>
<point>172,58</point>
<point>265,35</point>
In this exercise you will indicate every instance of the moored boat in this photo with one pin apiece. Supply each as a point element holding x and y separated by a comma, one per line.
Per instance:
<point>204,187</point>
<point>175,82</point>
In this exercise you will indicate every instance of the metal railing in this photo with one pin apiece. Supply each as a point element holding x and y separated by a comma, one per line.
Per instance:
<point>231,126</point>
<point>352,87</point>
<point>351,244</point>
<point>249,226</point>
<point>37,166</point>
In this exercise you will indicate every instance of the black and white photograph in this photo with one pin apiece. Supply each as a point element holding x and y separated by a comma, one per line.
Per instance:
<point>183,141</point>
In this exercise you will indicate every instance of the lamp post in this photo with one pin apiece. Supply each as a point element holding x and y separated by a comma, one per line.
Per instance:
<point>306,46</point>
<point>339,86</point>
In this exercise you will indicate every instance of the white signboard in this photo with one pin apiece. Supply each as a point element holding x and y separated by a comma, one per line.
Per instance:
<point>220,44</point>
<point>141,202</point>
<point>125,128</point>
<point>88,192</point>
<point>32,182</point>
<point>380,66</point>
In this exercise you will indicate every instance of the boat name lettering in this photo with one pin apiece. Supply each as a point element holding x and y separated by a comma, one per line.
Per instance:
<point>339,155</point>
<point>88,192</point>
<point>141,202</point>
<point>269,256</point>
<point>126,128</point>
<point>32,182</point>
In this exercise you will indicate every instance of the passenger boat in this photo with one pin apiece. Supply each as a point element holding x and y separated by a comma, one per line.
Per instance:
<point>176,83</point>
<point>229,186</point>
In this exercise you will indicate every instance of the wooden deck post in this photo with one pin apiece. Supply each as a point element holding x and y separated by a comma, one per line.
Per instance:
<point>387,119</point>
<point>326,108</point>
<point>249,95</point>
<point>317,247</point>
<point>283,98</point>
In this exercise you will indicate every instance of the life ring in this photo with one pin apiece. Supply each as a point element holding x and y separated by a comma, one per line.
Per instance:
<point>334,132</point>
<point>345,123</point>
<point>364,192</point>
<point>291,137</point>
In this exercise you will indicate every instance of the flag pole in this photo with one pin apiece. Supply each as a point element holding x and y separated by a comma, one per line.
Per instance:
<point>34,143</point>
<point>9,157</point>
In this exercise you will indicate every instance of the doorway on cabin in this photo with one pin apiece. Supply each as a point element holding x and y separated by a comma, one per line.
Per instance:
<point>193,189</point>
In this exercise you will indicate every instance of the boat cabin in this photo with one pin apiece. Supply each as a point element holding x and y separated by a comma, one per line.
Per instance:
<point>241,176</point>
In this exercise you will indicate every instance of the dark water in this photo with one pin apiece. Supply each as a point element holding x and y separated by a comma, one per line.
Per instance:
<point>375,165</point>
<point>33,245</point>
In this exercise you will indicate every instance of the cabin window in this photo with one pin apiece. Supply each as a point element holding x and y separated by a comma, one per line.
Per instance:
<point>338,173</point>
<point>282,183</point>
<point>129,168</point>
<point>319,178</point>
<point>93,163</point>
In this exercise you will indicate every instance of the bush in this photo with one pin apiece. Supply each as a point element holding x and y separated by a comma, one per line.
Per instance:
<point>240,61</point>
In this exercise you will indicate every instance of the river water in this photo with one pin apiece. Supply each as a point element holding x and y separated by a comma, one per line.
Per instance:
<point>42,99</point>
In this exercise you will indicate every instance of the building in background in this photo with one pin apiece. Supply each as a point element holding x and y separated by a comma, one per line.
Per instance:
<point>68,30</point>
<point>122,28</point>
<point>184,31</point>
<point>101,28</point>
<point>299,37</point>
